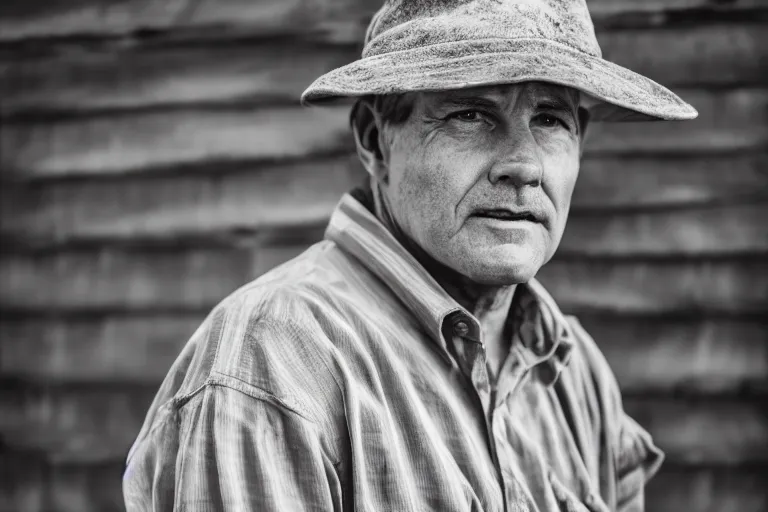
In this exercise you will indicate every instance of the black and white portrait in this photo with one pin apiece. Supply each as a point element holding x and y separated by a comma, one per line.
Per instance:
<point>383,255</point>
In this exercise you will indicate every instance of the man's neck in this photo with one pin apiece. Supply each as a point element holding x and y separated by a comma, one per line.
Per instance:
<point>482,300</point>
<point>490,304</point>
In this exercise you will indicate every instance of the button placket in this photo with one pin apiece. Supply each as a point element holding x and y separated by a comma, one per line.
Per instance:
<point>474,352</point>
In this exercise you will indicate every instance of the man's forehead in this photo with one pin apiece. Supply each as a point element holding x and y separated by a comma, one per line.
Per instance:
<point>506,93</point>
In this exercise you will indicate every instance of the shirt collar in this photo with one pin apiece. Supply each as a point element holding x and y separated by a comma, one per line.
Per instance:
<point>357,231</point>
<point>542,330</point>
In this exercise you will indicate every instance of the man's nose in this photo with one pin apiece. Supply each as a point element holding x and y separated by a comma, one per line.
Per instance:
<point>518,165</point>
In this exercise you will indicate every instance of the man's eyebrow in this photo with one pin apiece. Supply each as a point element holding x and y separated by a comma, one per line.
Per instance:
<point>550,102</point>
<point>556,103</point>
<point>467,101</point>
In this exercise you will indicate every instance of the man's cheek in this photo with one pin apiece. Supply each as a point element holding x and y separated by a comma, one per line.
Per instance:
<point>559,186</point>
<point>416,203</point>
<point>422,189</point>
<point>555,234</point>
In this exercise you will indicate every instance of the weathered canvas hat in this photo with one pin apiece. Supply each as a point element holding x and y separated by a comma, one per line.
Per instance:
<point>428,45</point>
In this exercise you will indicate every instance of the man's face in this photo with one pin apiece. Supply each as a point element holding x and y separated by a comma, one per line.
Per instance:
<point>481,179</point>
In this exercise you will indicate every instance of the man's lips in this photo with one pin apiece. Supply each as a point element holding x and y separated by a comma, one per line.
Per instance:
<point>505,214</point>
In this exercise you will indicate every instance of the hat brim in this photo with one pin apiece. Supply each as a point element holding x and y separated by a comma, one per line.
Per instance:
<point>621,94</point>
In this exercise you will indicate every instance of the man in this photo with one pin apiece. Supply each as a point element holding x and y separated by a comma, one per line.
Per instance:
<point>410,361</point>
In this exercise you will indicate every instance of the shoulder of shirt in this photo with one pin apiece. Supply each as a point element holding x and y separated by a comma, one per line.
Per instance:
<point>274,337</point>
<point>593,383</point>
<point>589,376</point>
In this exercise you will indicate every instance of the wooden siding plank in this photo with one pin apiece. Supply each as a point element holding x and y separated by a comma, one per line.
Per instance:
<point>728,121</point>
<point>723,286</point>
<point>613,183</point>
<point>197,279</point>
<point>113,144</point>
<point>192,204</point>
<point>194,279</point>
<point>647,354</point>
<point>116,348</point>
<point>675,489</point>
<point>87,488</point>
<point>619,6</point>
<point>695,232</point>
<point>30,483</point>
<point>80,424</point>
<point>330,19</point>
<point>686,429</point>
<point>142,77</point>
<point>704,54</point>
<point>659,354</point>
<point>119,279</point>
<point>125,76</point>
<point>72,425</point>
<point>22,483</point>
<point>104,145</point>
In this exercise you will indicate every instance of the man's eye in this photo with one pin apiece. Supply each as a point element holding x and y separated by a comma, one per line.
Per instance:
<point>549,121</point>
<point>466,115</point>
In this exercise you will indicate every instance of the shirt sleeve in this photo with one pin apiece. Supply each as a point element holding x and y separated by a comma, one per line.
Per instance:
<point>631,457</point>
<point>226,450</point>
<point>638,460</point>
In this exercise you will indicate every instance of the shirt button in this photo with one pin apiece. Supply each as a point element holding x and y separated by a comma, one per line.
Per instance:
<point>461,328</point>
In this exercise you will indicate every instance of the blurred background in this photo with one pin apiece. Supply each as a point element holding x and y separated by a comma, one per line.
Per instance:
<point>154,158</point>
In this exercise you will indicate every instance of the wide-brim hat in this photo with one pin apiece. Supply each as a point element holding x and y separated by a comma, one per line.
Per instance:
<point>434,45</point>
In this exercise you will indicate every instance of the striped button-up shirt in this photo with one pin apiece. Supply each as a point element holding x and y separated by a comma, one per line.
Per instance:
<point>348,379</point>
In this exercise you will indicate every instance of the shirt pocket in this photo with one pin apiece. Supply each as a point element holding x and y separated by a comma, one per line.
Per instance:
<point>569,502</point>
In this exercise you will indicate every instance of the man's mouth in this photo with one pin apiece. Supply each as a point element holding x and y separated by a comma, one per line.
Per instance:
<point>502,214</point>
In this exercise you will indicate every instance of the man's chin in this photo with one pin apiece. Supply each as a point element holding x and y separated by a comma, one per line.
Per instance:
<point>503,272</point>
<point>504,276</point>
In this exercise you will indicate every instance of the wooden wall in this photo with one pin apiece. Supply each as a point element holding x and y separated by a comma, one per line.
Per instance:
<point>154,158</point>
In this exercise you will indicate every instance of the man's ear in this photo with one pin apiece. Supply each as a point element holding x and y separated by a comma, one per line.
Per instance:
<point>365,127</point>
<point>583,127</point>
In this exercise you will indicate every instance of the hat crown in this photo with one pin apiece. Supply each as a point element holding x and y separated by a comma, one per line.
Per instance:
<point>407,24</point>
